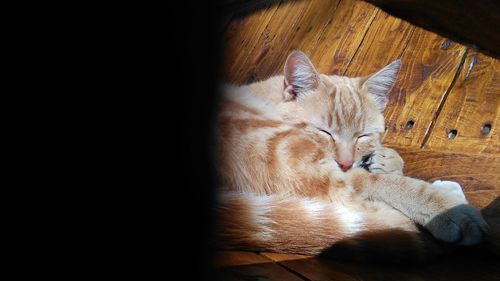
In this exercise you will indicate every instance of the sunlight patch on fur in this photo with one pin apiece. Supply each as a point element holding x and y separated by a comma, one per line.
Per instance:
<point>262,208</point>
<point>352,221</point>
<point>314,208</point>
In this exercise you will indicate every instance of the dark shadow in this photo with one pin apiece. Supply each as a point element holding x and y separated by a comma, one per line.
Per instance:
<point>400,247</point>
<point>470,22</point>
<point>491,214</point>
<point>387,246</point>
<point>493,209</point>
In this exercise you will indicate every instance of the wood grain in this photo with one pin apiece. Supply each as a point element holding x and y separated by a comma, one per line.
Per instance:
<point>296,25</point>
<point>287,15</point>
<point>473,172</point>
<point>345,30</point>
<point>266,271</point>
<point>483,198</point>
<point>304,36</point>
<point>427,72</point>
<point>242,265</point>
<point>319,269</point>
<point>384,42</point>
<point>277,257</point>
<point>240,39</point>
<point>231,258</point>
<point>473,102</point>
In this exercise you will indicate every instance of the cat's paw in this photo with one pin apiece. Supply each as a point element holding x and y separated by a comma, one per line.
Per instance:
<point>385,161</point>
<point>450,188</point>
<point>461,223</point>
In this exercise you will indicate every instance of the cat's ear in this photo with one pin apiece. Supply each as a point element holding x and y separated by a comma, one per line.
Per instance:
<point>380,84</point>
<point>300,75</point>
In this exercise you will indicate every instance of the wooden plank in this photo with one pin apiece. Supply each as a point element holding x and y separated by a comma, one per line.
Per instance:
<point>427,70</point>
<point>473,103</point>
<point>277,257</point>
<point>459,266</point>
<point>280,26</point>
<point>429,65</point>
<point>327,30</point>
<point>240,39</point>
<point>344,32</point>
<point>296,25</point>
<point>327,270</point>
<point>473,172</point>
<point>266,271</point>
<point>482,198</point>
<point>239,265</point>
<point>231,258</point>
<point>318,269</point>
<point>304,36</point>
<point>384,42</point>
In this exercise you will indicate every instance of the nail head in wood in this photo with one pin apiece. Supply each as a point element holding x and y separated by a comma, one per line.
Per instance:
<point>446,44</point>
<point>486,129</point>
<point>452,134</point>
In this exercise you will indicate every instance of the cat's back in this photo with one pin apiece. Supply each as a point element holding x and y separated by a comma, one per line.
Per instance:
<point>261,152</point>
<point>245,125</point>
<point>244,111</point>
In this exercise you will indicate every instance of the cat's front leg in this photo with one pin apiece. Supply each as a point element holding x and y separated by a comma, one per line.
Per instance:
<point>384,160</point>
<point>440,207</point>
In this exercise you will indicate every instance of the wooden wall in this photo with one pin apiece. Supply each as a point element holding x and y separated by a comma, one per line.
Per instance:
<point>444,111</point>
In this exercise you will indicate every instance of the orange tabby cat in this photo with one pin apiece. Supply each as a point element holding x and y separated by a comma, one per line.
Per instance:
<point>290,151</point>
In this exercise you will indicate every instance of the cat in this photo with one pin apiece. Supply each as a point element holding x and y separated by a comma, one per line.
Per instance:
<point>302,169</point>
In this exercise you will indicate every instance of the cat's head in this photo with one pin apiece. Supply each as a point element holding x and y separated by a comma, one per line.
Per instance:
<point>348,112</point>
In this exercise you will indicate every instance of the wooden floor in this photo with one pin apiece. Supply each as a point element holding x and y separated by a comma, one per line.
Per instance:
<point>249,266</point>
<point>443,114</point>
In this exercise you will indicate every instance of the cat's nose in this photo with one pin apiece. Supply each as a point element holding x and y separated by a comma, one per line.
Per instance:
<point>344,165</point>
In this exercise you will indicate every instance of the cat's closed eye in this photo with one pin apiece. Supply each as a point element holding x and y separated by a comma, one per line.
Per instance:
<point>327,133</point>
<point>364,136</point>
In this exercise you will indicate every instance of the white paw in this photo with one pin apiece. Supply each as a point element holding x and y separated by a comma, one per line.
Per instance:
<point>462,223</point>
<point>450,187</point>
<point>385,161</point>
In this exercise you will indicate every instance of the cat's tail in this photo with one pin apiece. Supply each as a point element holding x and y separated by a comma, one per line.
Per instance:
<point>293,224</point>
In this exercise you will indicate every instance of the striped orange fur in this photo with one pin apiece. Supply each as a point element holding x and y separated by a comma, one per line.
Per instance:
<point>289,153</point>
